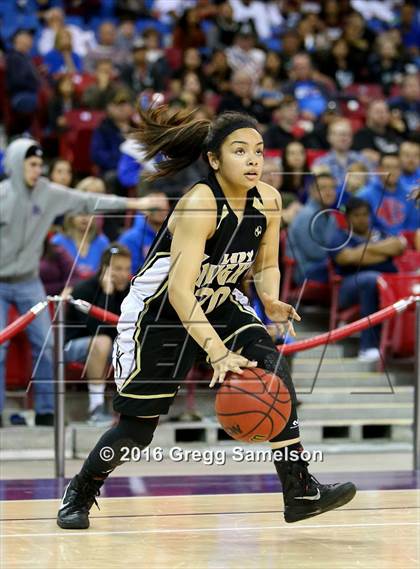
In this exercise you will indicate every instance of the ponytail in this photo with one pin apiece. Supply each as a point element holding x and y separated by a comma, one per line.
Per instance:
<point>177,136</point>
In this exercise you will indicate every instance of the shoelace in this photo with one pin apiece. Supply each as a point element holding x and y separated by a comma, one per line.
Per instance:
<point>89,490</point>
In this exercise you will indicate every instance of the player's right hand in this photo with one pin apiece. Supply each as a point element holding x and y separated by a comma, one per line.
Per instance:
<point>230,361</point>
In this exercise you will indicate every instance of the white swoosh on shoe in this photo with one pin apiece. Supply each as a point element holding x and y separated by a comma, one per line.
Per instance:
<point>316,497</point>
<point>64,504</point>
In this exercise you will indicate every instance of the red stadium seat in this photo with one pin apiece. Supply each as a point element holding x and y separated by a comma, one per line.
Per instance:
<point>364,92</point>
<point>337,315</point>
<point>75,142</point>
<point>408,262</point>
<point>310,291</point>
<point>410,236</point>
<point>397,335</point>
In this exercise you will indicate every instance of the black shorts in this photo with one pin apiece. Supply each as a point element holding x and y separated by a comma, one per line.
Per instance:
<point>152,359</point>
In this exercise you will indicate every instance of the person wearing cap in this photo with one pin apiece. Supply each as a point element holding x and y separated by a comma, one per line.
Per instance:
<point>110,133</point>
<point>22,81</point>
<point>243,55</point>
<point>29,205</point>
<point>140,74</point>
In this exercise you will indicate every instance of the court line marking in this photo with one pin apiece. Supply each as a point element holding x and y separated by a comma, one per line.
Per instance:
<point>183,496</point>
<point>173,514</point>
<point>71,533</point>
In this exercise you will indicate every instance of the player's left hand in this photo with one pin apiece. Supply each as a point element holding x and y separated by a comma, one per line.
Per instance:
<point>280,313</point>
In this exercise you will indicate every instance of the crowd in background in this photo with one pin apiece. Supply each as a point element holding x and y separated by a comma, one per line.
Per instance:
<point>334,84</point>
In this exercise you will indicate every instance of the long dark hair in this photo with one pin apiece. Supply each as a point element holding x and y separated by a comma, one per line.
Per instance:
<point>288,184</point>
<point>181,138</point>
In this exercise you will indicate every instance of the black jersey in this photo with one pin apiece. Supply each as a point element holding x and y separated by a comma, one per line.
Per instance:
<point>228,255</point>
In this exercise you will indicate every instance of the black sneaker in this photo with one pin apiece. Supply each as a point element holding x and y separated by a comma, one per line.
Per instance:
<point>79,496</point>
<point>305,497</point>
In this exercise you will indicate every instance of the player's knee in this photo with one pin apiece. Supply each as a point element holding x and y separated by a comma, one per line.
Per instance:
<point>139,430</point>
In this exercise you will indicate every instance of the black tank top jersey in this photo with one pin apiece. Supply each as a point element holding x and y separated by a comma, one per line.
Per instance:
<point>228,255</point>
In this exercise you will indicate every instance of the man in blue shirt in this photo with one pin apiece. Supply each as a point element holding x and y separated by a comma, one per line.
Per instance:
<point>340,157</point>
<point>360,256</point>
<point>311,95</point>
<point>392,212</point>
<point>311,230</point>
<point>139,237</point>
<point>410,165</point>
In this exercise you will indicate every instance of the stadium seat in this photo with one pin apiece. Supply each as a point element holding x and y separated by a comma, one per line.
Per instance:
<point>364,92</point>
<point>310,291</point>
<point>397,335</point>
<point>75,142</point>
<point>339,316</point>
<point>408,262</point>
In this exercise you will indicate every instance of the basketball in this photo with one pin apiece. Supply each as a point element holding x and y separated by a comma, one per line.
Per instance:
<point>253,407</point>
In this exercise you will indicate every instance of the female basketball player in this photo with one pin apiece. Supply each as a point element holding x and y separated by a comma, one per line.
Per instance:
<point>184,301</point>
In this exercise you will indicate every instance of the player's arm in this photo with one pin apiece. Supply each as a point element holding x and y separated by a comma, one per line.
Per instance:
<point>266,270</point>
<point>195,222</point>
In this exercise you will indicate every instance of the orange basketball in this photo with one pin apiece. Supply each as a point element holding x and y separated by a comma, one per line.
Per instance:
<point>253,407</point>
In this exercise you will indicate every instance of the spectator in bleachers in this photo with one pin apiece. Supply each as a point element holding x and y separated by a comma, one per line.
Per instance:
<point>29,204</point>
<point>274,66</point>
<point>88,340</point>
<point>391,211</point>
<point>81,238</point>
<point>241,98</point>
<point>63,59</point>
<point>264,15</point>
<point>223,32</point>
<point>188,32</point>
<point>96,96</point>
<point>410,165</point>
<point>243,55</point>
<point>312,95</point>
<point>126,34</point>
<point>291,45</point>
<point>295,173</point>
<point>317,138</point>
<point>313,33</point>
<point>409,26</point>
<point>360,40</point>
<point>408,104</point>
<point>273,175</point>
<point>141,74</point>
<point>153,43</point>
<point>57,270</point>
<point>218,72</point>
<point>337,63</point>
<point>61,172</point>
<point>109,135</point>
<point>144,229</point>
<point>377,137</point>
<point>357,177</point>
<point>333,13</point>
<point>168,11</point>
<point>386,66</point>
<point>22,81</point>
<point>360,257</point>
<point>63,100</point>
<point>131,163</point>
<point>82,40</point>
<point>340,157</point>
<point>285,116</point>
<point>106,48</point>
<point>311,231</point>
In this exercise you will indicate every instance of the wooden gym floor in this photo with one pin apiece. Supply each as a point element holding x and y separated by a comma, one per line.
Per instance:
<point>212,527</point>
